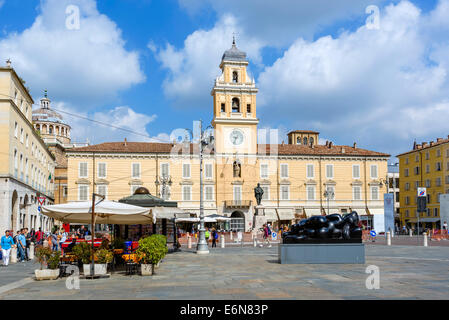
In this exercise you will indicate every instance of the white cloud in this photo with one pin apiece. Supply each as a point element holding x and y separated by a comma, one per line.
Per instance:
<point>83,66</point>
<point>277,23</point>
<point>192,69</point>
<point>2,2</point>
<point>376,86</point>
<point>107,125</point>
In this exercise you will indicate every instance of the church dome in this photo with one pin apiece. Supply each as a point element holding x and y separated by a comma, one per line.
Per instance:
<point>45,114</point>
<point>234,54</point>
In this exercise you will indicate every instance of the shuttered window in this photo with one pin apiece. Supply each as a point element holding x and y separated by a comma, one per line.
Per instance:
<point>102,170</point>
<point>311,193</point>
<point>136,170</point>
<point>83,193</point>
<point>82,170</point>
<point>357,193</point>
<point>264,171</point>
<point>374,193</point>
<point>284,170</point>
<point>165,172</point>
<point>329,171</point>
<point>310,171</point>
<point>285,192</point>
<point>237,193</point>
<point>208,170</point>
<point>374,171</point>
<point>103,190</point>
<point>209,193</point>
<point>356,171</point>
<point>186,193</point>
<point>186,170</point>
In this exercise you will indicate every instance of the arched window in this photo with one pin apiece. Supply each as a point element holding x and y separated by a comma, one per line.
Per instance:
<point>298,140</point>
<point>305,141</point>
<point>235,105</point>
<point>50,130</point>
<point>235,77</point>
<point>311,140</point>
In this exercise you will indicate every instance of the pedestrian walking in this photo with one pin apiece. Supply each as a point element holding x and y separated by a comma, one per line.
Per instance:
<point>214,238</point>
<point>39,236</point>
<point>54,240</point>
<point>21,245</point>
<point>207,235</point>
<point>6,243</point>
<point>28,243</point>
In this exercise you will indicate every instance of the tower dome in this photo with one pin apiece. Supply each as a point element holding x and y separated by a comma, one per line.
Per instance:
<point>234,54</point>
<point>50,123</point>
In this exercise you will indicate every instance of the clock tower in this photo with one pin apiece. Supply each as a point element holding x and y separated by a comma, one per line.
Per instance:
<point>234,95</point>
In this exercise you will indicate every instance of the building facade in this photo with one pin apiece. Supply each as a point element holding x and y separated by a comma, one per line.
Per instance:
<point>26,164</point>
<point>426,165</point>
<point>393,188</point>
<point>294,176</point>
<point>55,132</point>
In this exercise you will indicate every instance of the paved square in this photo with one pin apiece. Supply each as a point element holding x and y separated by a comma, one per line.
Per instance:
<point>406,272</point>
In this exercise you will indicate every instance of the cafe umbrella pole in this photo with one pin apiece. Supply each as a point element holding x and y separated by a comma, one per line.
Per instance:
<point>92,265</point>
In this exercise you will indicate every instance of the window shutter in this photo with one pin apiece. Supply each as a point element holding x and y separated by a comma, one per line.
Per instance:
<point>136,170</point>
<point>329,171</point>
<point>310,171</point>
<point>284,170</point>
<point>186,170</point>
<point>208,170</point>
<point>164,169</point>
<point>356,172</point>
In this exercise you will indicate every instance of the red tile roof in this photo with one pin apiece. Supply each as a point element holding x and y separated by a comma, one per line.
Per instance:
<point>427,145</point>
<point>282,149</point>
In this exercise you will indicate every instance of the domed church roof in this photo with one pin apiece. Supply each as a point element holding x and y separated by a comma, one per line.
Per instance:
<point>234,54</point>
<point>45,114</point>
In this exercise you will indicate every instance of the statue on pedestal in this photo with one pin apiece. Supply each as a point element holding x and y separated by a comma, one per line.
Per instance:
<point>258,193</point>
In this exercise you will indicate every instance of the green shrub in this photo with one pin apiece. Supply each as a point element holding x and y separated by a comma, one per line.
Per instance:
<point>42,254</point>
<point>103,256</point>
<point>152,249</point>
<point>53,260</point>
<point>83,252</point>
<point>118,243</point>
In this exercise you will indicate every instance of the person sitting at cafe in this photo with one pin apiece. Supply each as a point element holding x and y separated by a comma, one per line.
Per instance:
<point>71,245</point>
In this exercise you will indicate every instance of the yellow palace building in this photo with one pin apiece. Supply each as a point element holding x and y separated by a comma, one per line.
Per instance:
<point>26,164</point>
<point>426,165</point>
<point>301,178</point>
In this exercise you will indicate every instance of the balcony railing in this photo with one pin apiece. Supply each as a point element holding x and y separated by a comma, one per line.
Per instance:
<point>237,203</point>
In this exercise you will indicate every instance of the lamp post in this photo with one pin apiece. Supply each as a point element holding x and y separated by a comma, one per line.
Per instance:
<point>329,193</point>
<point>202,247</point>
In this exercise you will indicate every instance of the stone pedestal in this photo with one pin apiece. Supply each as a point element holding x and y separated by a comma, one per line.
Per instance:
<point>349,253</point>
<point>31,253</point>
<point>13,255</point>
<point>259,218</point>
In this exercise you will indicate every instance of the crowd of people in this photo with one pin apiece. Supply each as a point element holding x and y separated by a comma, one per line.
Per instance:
<point>24,237</point>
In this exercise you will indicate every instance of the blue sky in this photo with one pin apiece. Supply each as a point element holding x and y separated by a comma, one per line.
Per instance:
<point>149,65</point>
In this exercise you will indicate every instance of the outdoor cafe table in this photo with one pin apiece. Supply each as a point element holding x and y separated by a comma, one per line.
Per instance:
<point>64,245</point>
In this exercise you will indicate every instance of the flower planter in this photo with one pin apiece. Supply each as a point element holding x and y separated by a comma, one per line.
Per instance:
<point>46,274</point>
<point>100,269</point>
<point>145,270</point>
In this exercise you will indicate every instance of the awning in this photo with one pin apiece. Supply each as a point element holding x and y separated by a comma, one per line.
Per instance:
<point>270,214</point>
<point>106,212</point>
<point>286,214</point>
<point>423,220</point>
<point>168,213</point>
<point>206,219</point>
<point>312,212</point>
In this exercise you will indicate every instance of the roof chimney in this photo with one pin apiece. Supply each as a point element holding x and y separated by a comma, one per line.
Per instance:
<point>343,150</point>
<point>330,144</point>
<point>125,142</point>
<point>355,145</point>
<point>439,139</point>
<point>8,63</point>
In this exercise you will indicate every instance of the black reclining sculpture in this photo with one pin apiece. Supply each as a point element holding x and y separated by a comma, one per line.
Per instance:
<point>324,228</point>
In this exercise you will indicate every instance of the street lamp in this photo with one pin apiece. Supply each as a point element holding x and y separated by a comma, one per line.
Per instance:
<point>329,194</point>
<point>202,247</point>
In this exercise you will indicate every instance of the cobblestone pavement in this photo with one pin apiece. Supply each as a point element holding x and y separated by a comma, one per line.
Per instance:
<point>406,272</point>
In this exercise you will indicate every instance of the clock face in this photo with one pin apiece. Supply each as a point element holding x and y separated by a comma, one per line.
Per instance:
<point>236,137</point>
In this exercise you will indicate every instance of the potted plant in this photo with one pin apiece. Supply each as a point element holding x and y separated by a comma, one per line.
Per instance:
<point>151,250</point>
<point>48,259</point>
<point>102,257</point>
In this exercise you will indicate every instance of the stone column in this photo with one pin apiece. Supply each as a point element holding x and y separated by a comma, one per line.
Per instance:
<point>222,241</point>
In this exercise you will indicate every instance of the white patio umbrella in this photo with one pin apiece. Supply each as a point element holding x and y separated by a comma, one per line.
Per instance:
<point>106,212</point>
<point>206,219</point>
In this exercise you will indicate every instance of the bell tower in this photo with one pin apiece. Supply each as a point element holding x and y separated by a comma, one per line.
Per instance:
<point>234,95</point>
